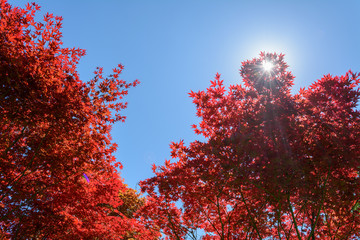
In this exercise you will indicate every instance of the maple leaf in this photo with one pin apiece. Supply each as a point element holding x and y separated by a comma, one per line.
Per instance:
<point>273,165</point>
<point>54,128</point>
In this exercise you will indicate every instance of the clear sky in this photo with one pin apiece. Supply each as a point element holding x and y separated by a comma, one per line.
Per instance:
<point>173,47</point>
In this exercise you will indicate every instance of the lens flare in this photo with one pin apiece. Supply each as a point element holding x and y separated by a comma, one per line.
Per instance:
<point>85,177</point>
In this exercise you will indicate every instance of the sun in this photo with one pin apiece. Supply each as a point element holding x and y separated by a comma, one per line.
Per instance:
<point>267,66</point>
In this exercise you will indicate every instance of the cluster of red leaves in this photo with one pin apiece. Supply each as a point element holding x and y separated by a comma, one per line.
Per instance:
<point>274,165</point>
<point>53,128</point>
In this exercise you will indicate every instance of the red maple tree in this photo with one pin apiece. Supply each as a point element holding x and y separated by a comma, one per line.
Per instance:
<point>54,128</point>
<point>274,165</point>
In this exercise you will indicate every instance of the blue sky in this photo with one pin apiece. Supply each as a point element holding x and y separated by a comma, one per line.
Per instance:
<point>173,47</point>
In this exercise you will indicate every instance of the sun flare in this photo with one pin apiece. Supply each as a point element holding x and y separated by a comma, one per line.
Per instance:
<point>268,66</point>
